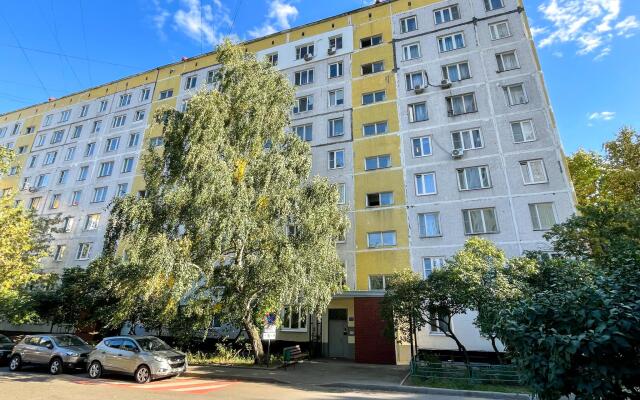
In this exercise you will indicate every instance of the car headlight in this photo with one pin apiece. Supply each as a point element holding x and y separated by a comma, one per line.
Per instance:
<point>72,354</point>
<point>160,359</point>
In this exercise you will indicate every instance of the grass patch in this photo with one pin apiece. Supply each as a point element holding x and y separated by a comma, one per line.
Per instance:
<point>461,385</point>
<point>200,358</point>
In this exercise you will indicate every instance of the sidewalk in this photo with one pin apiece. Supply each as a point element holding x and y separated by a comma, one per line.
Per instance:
<point>328,373</point>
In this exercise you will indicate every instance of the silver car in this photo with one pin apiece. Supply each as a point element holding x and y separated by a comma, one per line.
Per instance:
<point>144,357</point>
<point>56,351</point>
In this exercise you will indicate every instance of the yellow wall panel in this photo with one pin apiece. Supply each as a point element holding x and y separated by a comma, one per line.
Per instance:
<point>383,144</point>
<point>381,219</point>
<point>383,262</point>
<point>375,113</point>
<point>380,181</point>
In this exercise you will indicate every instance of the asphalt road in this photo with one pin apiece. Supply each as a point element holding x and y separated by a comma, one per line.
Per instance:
<point>37,384</point>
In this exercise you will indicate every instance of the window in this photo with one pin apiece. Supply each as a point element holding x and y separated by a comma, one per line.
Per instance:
<point>462,104</point>
<point>134,139</point>
<point>84,110</point>
<point>57,137</point>
<point>127,165</point>
<point>408,24</point>
<point>99,194</point>
<point>421,146</point>
<point>370,41</point>
<point>490,5</point>
<point>40,140</point>
<point>523,131</point>
<point>47,120</point>
<point>50,158</point>
<point>103,106</point>
<point>62,178</point>
<point>336,97</point>
<point>342,193</point>
<point>418,112</point>
<point>303,77</point>
<point>372,68</point>
<point>22,149</point>
<point>335,42</point>
<point>499,30</point>
<point>377,162</point>
<point>336,127</point>
<point>156,141</point>
<point>468,139</point>
<point>379,282</point>
<point>190,82</point>
<point>480,220</point>
<point>83,251</point>
<point>34,203</point>
<point>125,100</point>
<point>112,144</point>
<point>9,145</point>
<point>30,130</point>
<point>426,184</point>
<point>67,224</point>
<point>122,189</point>
<point>472,178</point>
<point>42,180</point>
<point>83,173</point>
<point>304,132</point>
<point>32,161</point>
<point>64,116</point>
<point>272,58</point>
<point>293,318</point>
<point>55,201</point>
<point>376,128</point>
<point>58,254</point>
<point>414,80</point>
<point>92,222</point>
<point>429,264</point>
<point>515,94</point>
<point>165,94</point>
<point>335,69</point>
<point>374,97</point>
<point>106,169</point>
<point>119,121</point>
<point>12,171</point>
<point>336,159</point>
<point>96,126</point>
<point>411,51</point>
<point>429,224</point>
<point>90,149</point>
<point>379,199</point>
<point>3,132</point>
<point>456,72</point>
<point>76,132</point>
<point>533,172</point>
<point>451,42</point>
<point>439,325</point>
<point>381,239</point>
<point>507,61</point>
<point>446,14</point>
<point>75,197</point>
<point>71,151</point>
<point>303,104</point>
<point>542,216</point>
<point>139,115</point>
<point>304,51</point>
<point>144,94</point>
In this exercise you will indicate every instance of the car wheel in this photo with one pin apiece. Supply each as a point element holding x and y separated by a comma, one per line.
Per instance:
<point>55,366</point>
<point>143,374</point>
<point>95,370</point>
<point>16,363</point>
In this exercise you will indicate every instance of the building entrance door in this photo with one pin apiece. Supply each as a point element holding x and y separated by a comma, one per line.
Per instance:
<point>338,333</point>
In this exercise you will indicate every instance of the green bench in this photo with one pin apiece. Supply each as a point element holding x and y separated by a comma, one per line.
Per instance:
<point>292,355</point>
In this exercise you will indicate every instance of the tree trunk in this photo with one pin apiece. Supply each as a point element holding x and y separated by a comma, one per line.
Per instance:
<point>495,348</point>
<point>463,349</point>
<point>256,340</point>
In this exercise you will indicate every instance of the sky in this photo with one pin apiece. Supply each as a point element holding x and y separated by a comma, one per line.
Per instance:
<point>589,49</point>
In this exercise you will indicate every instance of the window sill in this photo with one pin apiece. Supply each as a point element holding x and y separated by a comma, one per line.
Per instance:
<point>451,114</point>
<point>507,70</point>
<point>480,233</point>
<point>536,183</point>
<point>472,189</point>
<point>422,120</point>
<point>293,330</point>
<point>426,194</point>
<point>431,237</point>
<point>500,38</point>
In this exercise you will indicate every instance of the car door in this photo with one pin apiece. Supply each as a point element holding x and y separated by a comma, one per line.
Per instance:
<point>43,351</point>
<point>28,349</point>
<point>129,359</point>
<point>110,353</point>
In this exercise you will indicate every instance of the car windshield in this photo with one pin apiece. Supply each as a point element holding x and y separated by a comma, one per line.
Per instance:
<point>4,339</point>
<point>68,340</point>
<point>152,344</point>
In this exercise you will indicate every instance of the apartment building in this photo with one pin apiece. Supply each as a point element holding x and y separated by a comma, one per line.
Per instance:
<point>431,116</point>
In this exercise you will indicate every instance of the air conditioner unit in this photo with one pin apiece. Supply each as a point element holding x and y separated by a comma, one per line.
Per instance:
<point>418,89</point>
<point>445,84</point>
<point>331,51</point>
<point>308,57</point>
<point>457,153</point>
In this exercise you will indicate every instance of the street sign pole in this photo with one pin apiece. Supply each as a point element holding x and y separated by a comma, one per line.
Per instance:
<point>268,353</point>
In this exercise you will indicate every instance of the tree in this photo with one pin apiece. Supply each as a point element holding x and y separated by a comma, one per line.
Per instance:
<point>24,241</point>
<point>231,215</point>
<point>586,169</point>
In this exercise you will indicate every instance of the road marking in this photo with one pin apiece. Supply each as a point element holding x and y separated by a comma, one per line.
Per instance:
<point>180,385</point>
<point>201,389</point>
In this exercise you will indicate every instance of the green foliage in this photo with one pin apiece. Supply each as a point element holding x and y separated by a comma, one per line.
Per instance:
<point>210,236</point>
<point>402,305</point>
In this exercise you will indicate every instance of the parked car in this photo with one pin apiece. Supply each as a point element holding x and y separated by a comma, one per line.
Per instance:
<point>6,346</point>
<point>144,357</point>
<point>56,351</point>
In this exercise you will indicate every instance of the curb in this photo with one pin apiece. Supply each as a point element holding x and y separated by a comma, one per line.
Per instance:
<point>427,390</point>
<point>235,377</point>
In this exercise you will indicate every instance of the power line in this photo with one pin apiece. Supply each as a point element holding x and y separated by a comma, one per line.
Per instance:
<point>84,39</point>
<point>54,29</point>
<point>201,29</point>
<point>235,14</point>
<point>54,53</point>
<point>26,56</point>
